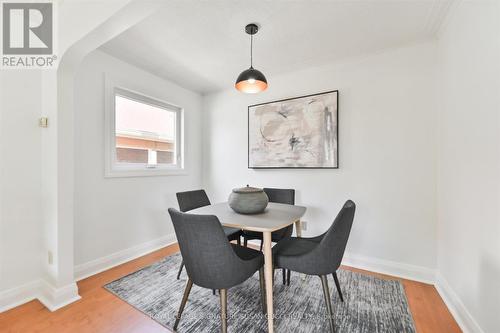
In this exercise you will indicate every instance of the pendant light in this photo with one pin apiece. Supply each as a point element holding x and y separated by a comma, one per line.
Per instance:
<point>251,81</point>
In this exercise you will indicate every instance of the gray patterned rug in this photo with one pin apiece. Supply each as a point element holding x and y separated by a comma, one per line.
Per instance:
<point>370,305</point>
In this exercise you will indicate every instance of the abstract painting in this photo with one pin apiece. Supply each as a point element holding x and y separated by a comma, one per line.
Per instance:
<point>299,132</point>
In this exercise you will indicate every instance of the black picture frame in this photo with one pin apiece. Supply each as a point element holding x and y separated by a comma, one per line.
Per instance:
<point>289,99</point>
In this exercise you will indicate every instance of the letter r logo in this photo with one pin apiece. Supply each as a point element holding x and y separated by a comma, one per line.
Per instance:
<point>27,28</point>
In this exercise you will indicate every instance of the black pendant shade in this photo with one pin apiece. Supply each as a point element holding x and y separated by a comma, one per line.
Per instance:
<point>251,81</point>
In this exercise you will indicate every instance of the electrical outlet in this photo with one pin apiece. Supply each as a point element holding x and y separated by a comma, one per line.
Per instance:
<point>303,224</point>
<point>50,257</point>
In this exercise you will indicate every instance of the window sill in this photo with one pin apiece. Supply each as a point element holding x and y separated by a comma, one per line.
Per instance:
<point>144,173</point>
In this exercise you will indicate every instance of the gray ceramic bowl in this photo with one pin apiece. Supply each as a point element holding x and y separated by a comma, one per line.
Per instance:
<point>248,200</point>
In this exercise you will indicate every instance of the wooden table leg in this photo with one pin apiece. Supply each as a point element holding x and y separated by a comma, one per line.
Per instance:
<point>268,272</point>
<point>298,228</point>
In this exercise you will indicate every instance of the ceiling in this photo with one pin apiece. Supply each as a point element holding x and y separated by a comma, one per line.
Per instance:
<point>202,46</point>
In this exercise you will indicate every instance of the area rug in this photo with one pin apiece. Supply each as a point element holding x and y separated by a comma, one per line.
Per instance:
<point>370,304</point>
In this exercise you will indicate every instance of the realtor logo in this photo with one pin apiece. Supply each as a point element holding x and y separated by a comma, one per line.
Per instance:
<point>28,29</point>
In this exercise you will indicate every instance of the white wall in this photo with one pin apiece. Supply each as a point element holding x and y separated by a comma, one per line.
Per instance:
<point>114,214</point>
<point>20,178</point>
<point>387,115</point>
<point>469,163</point>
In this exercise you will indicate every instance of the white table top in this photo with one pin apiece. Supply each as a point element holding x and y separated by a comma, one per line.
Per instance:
<point>275,217</point>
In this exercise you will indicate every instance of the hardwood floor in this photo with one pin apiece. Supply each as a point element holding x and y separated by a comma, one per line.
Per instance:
<point>100,311</point>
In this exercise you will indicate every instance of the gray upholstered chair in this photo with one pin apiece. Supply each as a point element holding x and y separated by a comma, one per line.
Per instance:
<point>278,195</point>
<point>320,255</point>
<point>211,261</point>
<point>194,199</point>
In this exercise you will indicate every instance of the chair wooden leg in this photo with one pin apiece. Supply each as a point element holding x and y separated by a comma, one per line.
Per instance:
<point>238,241</point>
<point>183,303</point>
<point>245,241</point>
<point>180,270</point>
<point>283,272</point>
<point>262,290</point>
<point>223,308</point>
<point>337,284</point>
<point>289,273</point>
<point>328,301</point>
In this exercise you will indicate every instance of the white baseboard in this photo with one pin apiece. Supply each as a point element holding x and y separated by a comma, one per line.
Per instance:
<point>397,269</point>
<point>90,268</point>
<point>13,297</point>
<point>456,307</point>
<point>52,298</point>
<point>56,298</point>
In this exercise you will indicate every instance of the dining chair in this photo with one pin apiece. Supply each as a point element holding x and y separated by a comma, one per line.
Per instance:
<point>320,255</point>
<point>198,198</point>
<point>278,195</point>
<point>211,260</point>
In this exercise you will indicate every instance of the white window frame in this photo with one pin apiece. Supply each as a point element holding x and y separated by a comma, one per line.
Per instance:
<point>113,168</point>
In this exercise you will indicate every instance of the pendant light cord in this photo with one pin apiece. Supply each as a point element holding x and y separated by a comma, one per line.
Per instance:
<point>251,51</point>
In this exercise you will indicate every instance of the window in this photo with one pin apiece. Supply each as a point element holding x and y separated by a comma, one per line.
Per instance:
<point>144,137</point>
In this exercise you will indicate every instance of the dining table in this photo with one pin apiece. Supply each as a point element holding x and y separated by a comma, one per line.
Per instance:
<point>275,217</point>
